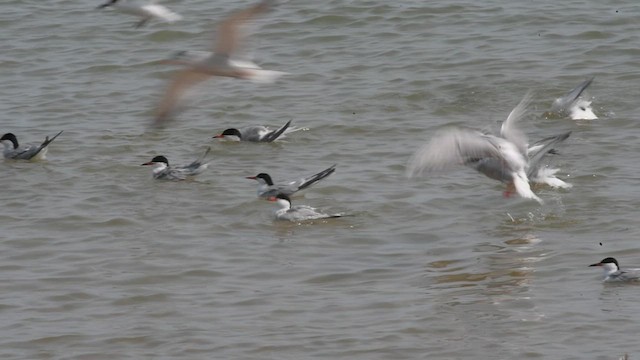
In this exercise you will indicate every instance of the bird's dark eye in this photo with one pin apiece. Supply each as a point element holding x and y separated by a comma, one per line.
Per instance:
<point>583,108</point>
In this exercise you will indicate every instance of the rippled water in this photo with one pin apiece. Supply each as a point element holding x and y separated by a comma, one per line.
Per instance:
<point>100,261</point>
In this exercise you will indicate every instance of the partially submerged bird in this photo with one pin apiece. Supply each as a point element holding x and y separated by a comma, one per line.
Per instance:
<point>612,271</point>
<point>162,170</point>
<point>219,63</point>
<point>253,133</point>
<point>505,158</point>
<point>145,11</point>
<point>543,174</point>
<point>267,188</point>
<point>574,105</point>
<point>298,212</point>
<point>12,150</point>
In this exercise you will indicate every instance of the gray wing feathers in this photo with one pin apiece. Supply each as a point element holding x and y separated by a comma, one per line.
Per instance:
<point>276,133</point>
<point>547,146</point>
<point>564,102</point>
<point>306,182</point>
<point>452,147</point>
<point>199,162</point>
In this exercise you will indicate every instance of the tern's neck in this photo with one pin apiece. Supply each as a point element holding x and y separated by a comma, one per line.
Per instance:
<point>283,204</point>
<point>159,167</point>
<point>8,145</point>
<point>609,268</point>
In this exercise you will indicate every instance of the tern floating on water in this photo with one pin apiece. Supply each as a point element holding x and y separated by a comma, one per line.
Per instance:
<point>574,105</point>
<point>145,11</point>
<point>12,150</point>
<point>253,133</point>
<point>298,212</point>
<point>612,271</point>
<point>267,189</point>
<point>162,170</point>
<point>219,63</point>
<point>505,158</point>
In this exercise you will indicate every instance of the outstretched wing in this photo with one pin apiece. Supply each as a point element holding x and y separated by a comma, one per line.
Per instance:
<point>182,81</point>
<point>510,130</point>
<point>451,147</point>
<point>229,33</point>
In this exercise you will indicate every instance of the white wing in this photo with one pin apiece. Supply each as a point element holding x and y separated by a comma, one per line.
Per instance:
<point>510,130</point>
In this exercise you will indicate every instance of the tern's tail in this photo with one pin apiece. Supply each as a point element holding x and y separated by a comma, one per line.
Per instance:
<point>521,184</point>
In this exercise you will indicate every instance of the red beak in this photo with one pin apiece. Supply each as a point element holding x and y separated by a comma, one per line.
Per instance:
<point>147,163</point>
<point>251,177</point>
<point>218,136</point>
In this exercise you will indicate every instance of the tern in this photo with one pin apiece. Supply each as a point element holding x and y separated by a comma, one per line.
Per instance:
<point>612,271</point>
<point>220,62</point>
<point>505,158</point>
<point>12,150</point>
<point>574,105</point>
<point>298,212</point>
<point>253,133</point>
<point>267,188</point>
<point>162,170</point>
<point>145,11</point>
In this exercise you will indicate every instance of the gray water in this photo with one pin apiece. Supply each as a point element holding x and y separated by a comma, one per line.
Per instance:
<point>99,261</point>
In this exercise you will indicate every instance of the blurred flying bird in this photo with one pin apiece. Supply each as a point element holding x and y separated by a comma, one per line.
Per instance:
<point>145,11</point>
<point>219,63</point>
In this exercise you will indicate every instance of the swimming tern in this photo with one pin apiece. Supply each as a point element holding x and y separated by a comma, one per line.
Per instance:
<point>267,188</point>
<point>574,105</point>
<point>145,11</point>
<point>253,133</point>
<point>612,271</point>
<point>219,63</point>
<point>162,170</point>
<point>505,158</point>
<point>12,150</point>
<point>298,212</point>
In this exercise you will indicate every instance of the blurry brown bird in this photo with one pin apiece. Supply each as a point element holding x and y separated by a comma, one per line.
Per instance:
<point>219,63</point>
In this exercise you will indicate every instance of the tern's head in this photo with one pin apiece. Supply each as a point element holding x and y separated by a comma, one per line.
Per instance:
<point>9,138</point>
<point>262,178</point>
<point>108,3</point>
<point>281,199</point>
<point>229,134</point>
<point>158,162</point>
<point>610,265</point>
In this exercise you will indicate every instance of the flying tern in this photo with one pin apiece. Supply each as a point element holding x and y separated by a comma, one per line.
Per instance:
<point>505,158</point>
<point>145,11</point>
<point>220,62</point>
